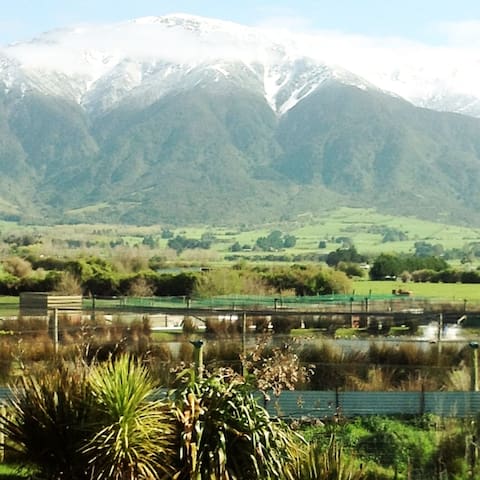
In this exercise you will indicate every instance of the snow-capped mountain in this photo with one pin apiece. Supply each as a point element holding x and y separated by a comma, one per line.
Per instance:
<point>184,119</point>
<point>98,66</point>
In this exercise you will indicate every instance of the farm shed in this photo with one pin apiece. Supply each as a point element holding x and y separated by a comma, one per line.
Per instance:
<point>41,303</point>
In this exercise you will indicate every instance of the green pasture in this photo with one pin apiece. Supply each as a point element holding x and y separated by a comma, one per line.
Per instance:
<point>363,227</point>
<point>444,291</point>
<point>8,305</point>
<point>358,225</point>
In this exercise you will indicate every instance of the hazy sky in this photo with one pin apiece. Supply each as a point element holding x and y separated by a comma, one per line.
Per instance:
<point>437,22</point>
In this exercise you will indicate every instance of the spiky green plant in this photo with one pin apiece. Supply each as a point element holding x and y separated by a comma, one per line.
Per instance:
<point>327,463</point>
<point>225,434</point>
<point>134,432</point>
<point>48,421</point>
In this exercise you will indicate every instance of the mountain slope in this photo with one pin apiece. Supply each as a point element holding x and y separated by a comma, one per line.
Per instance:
<point>380,149</point>
<point>215,122</point>
<point>186,157</point>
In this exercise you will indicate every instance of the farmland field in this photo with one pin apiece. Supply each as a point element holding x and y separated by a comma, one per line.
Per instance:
<point>364,228</point>
<point>443,291</point>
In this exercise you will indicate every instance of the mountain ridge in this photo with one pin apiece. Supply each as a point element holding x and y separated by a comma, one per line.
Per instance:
<point>75,62</point>
<point>241,139</point>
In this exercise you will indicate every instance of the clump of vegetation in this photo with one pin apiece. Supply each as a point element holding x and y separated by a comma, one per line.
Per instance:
<point>275,240</point>
<point>226,433</point>
<point>49,420</point>
<point>131,435</point>
<point>104,422</point>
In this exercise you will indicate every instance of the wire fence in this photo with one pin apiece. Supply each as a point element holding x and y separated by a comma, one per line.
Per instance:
<point>387,303</point>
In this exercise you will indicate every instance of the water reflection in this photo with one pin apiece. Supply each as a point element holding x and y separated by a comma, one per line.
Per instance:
<point>427,335</point>
<point>450,332</point>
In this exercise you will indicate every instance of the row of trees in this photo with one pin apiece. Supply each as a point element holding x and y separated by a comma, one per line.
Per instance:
<point>420,269</point>
<point>392,266</point>
<point>99,277</point>
<point>140,276</point>
<point>180,243</point>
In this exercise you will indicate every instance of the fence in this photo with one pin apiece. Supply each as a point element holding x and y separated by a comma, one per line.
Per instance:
<point>327,404</point>
<point>346,303</point>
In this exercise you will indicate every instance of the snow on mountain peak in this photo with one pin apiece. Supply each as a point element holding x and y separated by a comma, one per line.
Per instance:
<point>157,53</point>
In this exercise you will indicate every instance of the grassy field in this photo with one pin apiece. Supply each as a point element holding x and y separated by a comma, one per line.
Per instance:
<point>443,291</point>
<point>363,227</point>
<point>8,306</point>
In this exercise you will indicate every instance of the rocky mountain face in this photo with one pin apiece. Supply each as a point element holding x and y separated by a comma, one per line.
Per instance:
<point>180,119</point>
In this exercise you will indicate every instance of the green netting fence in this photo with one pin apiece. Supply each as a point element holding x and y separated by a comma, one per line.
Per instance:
<point>258,301</point>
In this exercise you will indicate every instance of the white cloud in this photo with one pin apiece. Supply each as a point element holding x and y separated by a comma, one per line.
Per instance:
<point>407,68</point>
<point>465,34</point>
<point>410,69</point>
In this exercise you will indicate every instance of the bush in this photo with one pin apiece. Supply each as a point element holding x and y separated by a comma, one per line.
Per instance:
<point>18,267</point>
<point>284,325</point>
<point>350,269</point>
<point>133,434</point>
<point>423,276</point>
<point>98,422</point>
<point>447,276</point>
<point>102,284</point>
<point>225,433</point>
<point>470,277</point>
<point>179,285</point>
<point>49,421</point>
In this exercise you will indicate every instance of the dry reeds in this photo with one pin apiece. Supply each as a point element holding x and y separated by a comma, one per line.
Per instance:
<point>223,353</point>
<point>223,328</point>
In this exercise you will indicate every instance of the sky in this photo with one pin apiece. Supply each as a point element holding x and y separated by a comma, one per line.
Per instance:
<point>431,22</point>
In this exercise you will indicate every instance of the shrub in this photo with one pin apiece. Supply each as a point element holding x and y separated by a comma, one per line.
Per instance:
<point>49,421</point>
<point>470,277</point>
<point>284,325</point>
<point>182,284</point>
<point>68,284</point>
<point>99,422</point>
<point>423,276</point>
<point>17,267</point>
<point>351,269</point>
<point>140,287</point>
<point>328,463</point>
<point>102,284</point>
<point>225,433</point>
<point>133,434</point>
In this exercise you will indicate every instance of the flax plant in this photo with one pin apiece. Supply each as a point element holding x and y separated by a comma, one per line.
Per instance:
<point>224,433</point>
<point>48,422</point>
<point>133,431</point>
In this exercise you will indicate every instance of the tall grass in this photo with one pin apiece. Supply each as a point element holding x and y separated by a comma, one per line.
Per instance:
<point>49,419</point>
<point>330,463</point>
<point>385,366</point>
